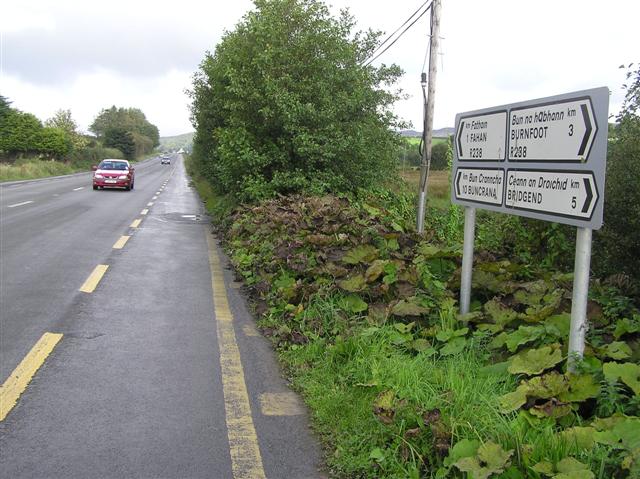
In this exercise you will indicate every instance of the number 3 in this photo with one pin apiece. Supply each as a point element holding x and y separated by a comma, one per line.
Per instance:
<point>571,129</point>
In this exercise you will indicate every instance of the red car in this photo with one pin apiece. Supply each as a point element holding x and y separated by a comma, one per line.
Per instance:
<point>113,174</point>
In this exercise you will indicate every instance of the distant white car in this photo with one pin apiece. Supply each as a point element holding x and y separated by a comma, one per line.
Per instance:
<point>165,160</point>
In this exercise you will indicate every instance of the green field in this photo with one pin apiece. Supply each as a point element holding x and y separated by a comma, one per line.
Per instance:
<point>414,140</point>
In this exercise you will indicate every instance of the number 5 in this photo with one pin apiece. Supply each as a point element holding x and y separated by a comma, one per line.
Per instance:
<point>573,202</point>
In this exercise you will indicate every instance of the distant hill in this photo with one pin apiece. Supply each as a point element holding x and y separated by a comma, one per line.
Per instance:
<point>441,133</point>
<point>176,142</point>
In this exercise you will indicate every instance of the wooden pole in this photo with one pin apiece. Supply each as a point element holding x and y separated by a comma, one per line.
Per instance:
<point>428,115</point>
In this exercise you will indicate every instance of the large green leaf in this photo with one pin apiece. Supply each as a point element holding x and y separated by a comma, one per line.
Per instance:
<point>535,361</point>
<point>626,326</point>
<point>408,308</point>
<point>617,350</point>
<point>463,448</point>
<point>570,468</point>
<point>353,304</point>
<point>361,254</point>
<point>580,388</point>
<point>353,284</point>
<point>523,335</point>
<point>582,438</point>
<point>551,408</point>
<point>629,373</point>
<point>515,400</point>
<point>550,385</point>
<point>620,432</point>
<point>558,325</point>
<point>453,346</point>
<point>375,270</point>
<point>490,459</point>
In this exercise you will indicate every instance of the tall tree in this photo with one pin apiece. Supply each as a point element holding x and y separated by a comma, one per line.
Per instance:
<point>20,133</point>
<point>286,104</point>
<point>63,120</point>
<point>618,242</point>
<point>131,119</point>
<point>123,140</point>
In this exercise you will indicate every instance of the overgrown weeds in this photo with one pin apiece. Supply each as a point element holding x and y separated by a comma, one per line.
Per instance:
<point>364,314</point>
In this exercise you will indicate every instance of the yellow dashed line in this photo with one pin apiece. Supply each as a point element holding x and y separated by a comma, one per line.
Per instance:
<point>136,223</point>
<point>144,211</point>
<point>19,379</point>
<point>246,461</point>
<point>94,278</point>
<point>121,242</point>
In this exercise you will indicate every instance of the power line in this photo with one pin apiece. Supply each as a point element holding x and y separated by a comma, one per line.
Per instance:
<point>370,60</point>
<point>389,37</point>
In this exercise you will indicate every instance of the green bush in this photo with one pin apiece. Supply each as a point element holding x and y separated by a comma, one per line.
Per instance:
<point>92,155</point>
<point>617,244</point>
<point>285,104</point>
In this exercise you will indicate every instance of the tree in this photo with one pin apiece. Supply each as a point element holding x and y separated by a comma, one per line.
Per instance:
<point>5,108</point>
<point>131,119</point>
<point>54,142</point>
<point>62,119</point>
<point>20,133</point>
<point>285,104</point>
<point>121,139</point>
<point>618,242</point>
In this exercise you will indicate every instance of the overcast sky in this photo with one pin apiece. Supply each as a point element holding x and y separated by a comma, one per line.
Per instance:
<point>88,55</point>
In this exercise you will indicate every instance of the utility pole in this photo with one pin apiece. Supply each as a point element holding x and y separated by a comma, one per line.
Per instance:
<point>427,132</point>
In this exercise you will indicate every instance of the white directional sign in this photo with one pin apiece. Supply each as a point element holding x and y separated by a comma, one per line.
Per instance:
<point>482,137</point>
<point>559,131</point>
<point>480,185</point>
<point>543,159</point>
<point>557,193</point>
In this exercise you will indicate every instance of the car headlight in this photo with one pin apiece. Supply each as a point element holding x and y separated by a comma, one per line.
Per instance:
<point>122,177</point>
<point>97,176</point>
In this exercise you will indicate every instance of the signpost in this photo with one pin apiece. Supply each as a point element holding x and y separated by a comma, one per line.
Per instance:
<point>542,159</point>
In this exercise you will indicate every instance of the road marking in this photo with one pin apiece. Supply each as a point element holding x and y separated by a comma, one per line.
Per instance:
<point>246,461</point>
<point>19,379</point>
<point>281,404</point>
<point>157,192</point>
<point>121,242</point>
<point>136,223</point>
<point>94,278</point>
<point>155,197</point>
<point>144,211</point>
<point>150,203</point>
<point>20,204</point>
<point>78,189</point>
<point>193,217</point>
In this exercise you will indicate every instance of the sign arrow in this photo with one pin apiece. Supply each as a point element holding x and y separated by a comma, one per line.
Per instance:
<point>480,185</point>
<point>587,201</point>
<point>587,130</point>
<point>460,129</point>
<point>482,137</point>
<point>568,194</point>
<point>552,131</point>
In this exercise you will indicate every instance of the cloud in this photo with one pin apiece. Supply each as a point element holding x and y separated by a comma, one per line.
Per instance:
<point>87,55</point>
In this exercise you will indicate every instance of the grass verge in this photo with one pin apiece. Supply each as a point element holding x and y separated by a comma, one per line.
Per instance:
<point>31,169</point>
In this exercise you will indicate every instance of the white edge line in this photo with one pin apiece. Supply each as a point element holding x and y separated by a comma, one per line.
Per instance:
<point>20,204</point>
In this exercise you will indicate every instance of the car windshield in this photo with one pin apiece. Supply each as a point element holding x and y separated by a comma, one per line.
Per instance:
<point>112,165</point>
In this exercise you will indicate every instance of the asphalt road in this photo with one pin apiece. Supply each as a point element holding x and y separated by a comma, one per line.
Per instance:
<point>146,381</point>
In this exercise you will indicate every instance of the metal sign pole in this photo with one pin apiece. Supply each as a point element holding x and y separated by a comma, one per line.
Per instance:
<point>467,258</point>
<point>579,324</point>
